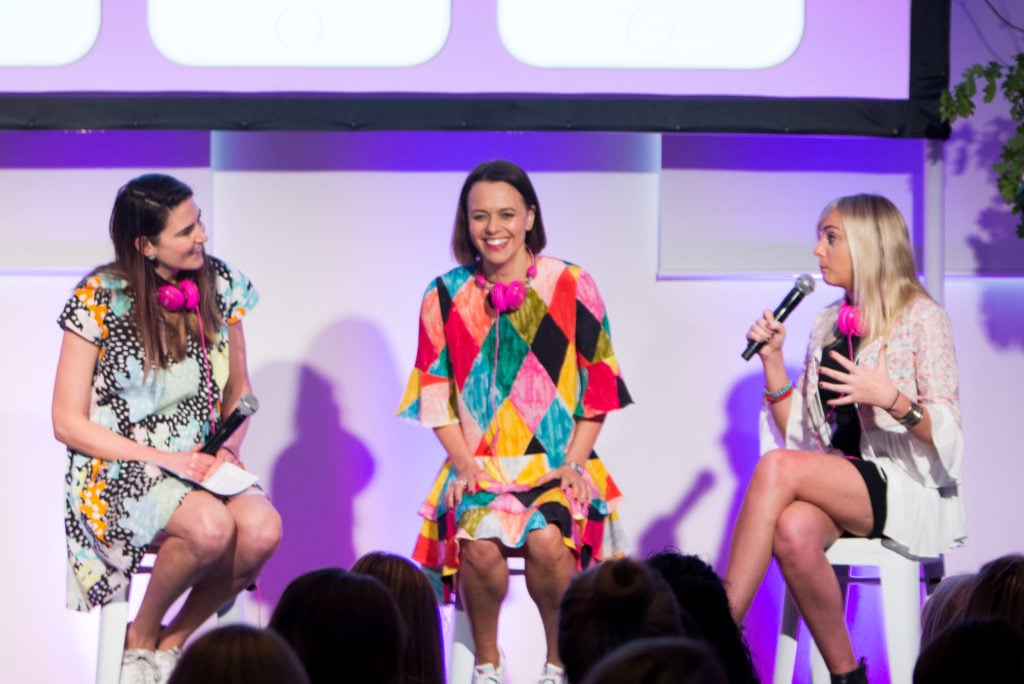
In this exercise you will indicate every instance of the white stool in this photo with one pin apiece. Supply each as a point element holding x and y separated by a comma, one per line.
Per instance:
<point>899,576</point>
<point>114,625</point>
<point>462,653</point>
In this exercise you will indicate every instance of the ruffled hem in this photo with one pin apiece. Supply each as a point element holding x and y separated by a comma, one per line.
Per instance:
<point>507,511</point>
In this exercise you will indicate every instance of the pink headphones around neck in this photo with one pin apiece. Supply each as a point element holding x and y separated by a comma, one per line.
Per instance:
<point>849,321</point>
<point>508,296</point>
<point>185,295</point>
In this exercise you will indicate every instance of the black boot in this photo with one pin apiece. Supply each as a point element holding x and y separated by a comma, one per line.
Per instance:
<point>858,676</point>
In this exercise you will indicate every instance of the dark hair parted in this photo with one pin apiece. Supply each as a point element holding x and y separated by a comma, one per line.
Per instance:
<point>497,171</point>
<point>343,626</point>
<point>140,214</point>
<point>239,654</point>
<point>609,605</point>
<point>659,660</point>
<point>701,595</point>
<point>417,602</point>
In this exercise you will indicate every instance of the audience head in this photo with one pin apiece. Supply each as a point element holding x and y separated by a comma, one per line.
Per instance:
<point>988,650</point>
<point>998,591</point>
<point>497,171</point>
<point>945,606</point>
<point>239,654</point>
<point>344,627</point>
<point>659,660</point>
<point>417,603</point>
<point>701,595</point>
<point>609,605</point>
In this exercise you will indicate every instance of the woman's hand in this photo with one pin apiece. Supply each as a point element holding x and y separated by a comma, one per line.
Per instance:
<point>860,384</point>
<point>574,484</point>
<point>195,465</point>
<point>467,480</point>
<point>769,331</point>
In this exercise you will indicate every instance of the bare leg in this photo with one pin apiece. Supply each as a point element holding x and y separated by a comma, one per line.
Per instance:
<point>257,535</point>
<point>197,536</point>
<point>483,583</point>
<point>781,478</point>
<point>549,568</point>
<point>802,534</point>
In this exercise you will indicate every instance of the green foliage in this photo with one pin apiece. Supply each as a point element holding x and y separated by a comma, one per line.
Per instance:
<point>959,104</point>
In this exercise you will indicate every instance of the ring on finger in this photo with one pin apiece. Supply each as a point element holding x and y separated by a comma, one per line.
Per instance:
<point>462,483</point>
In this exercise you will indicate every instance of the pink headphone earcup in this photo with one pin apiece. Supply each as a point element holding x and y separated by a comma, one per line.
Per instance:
<point>191,293</point>
<point>498,297</point>
<point>849,321</point>
<point>515,295</point>
<point>174,298</point>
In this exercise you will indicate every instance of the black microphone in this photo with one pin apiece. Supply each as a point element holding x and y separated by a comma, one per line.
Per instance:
<point>804,285</point>
<point>247,406</point>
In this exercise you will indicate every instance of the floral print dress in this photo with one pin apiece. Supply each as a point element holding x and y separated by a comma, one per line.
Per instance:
<point>114,509</point>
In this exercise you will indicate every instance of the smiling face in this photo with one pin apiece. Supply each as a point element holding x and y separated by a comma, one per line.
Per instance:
<point>499,221</point>
<point>833,252</point>
<point>179,246</point>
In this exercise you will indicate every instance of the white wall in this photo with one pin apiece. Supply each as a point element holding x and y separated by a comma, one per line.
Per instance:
<point>341,253</point>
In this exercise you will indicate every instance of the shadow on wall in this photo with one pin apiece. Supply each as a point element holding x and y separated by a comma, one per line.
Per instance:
<point>316,479</point>
<point>997,249</point>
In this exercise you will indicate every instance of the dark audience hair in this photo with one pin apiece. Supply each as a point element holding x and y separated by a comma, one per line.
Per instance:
<point>239,654</point>
<point>609,605</point>
<point>659,660</point>
<point>988,650</point>
<point>998,591</point>
<point>423,662</point>
<point>343,627</point>
<point>701,595</point>
<point>945,606</point>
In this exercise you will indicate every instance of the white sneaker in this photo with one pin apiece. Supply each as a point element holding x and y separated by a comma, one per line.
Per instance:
<point>488,674</point>
<point>138,666</point>
<point>552,674</point>
<point>165,662</point>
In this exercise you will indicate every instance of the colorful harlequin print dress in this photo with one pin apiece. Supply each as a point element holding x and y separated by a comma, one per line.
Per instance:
<point>114,509</point>
<point>516,384</point>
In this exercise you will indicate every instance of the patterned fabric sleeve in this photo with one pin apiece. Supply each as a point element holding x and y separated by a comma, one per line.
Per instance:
<point>85,311</point>
<point>602,389</point>
<point>428,396</point>
<point>236,295</point>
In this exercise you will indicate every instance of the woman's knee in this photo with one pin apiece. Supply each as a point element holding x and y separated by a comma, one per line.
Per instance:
<point>259,532</point>
<point>546,545</point>
<point>799,533</point>
<point>480,555</point>
<point>206,526</point>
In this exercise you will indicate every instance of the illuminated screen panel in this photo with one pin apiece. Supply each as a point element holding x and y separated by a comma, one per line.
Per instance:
<point>459,49</point>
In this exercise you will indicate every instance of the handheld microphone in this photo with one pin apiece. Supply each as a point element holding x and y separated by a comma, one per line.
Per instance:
<point>247,406</point>
<point>804,285</point>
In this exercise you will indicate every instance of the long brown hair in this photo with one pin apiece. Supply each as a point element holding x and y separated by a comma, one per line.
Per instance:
<point>140,212</point>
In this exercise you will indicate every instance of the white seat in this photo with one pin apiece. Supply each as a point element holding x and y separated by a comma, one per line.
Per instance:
<point>900,577</point>
<point>462,652</point>
<point>114,625</point>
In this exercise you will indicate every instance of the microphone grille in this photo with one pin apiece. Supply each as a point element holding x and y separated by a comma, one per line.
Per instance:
<point>805,284</point>
<point>248,405</point>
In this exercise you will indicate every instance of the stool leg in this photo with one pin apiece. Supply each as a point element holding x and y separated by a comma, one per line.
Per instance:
<point>462,655</point>
<point>113,626</point>
<point>785,647</point>
<point>901,606</point>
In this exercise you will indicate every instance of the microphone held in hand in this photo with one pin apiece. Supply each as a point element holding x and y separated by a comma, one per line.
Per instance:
<point>247,406</point>
<point>804,285</point>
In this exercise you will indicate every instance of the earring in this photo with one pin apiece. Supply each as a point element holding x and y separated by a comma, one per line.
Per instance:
<point>151,257</point>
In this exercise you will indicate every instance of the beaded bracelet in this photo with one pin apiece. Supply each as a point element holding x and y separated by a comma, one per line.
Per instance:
<point>778,395</point>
